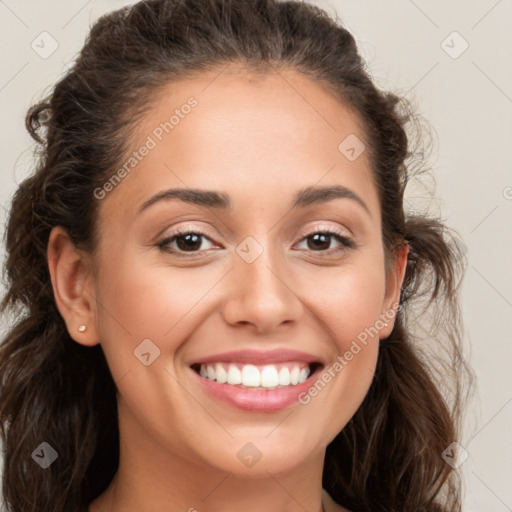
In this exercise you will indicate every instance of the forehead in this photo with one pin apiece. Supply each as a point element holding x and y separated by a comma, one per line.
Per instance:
<point>243,130</point>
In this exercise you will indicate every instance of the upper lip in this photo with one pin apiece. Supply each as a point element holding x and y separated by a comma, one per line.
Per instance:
<point>250,356</point>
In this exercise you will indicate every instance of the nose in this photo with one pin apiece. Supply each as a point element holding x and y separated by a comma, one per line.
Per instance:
<point>261,294</point>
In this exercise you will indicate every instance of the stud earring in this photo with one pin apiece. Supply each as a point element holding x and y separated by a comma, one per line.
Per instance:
<point>82,328</point>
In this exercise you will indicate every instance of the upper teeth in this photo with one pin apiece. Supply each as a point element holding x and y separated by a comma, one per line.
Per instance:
<point>267,376</point>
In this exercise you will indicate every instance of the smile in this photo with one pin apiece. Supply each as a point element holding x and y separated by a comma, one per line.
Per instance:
<point>255,380</point>
<point>269,376</point>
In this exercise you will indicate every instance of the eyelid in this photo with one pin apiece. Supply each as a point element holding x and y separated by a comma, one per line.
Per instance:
<point>322,228</point>
<point>303,233</point>
<point>185,229</point>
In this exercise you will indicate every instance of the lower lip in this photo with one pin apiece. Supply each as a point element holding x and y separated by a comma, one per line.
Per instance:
<point>257,400</point>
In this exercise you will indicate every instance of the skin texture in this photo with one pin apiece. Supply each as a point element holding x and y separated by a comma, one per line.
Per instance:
<point>260,139</point>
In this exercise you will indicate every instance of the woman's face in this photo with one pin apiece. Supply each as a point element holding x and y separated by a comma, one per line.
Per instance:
<point>252,291</point>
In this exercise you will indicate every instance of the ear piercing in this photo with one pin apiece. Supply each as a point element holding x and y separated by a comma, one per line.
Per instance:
<point>82,328</point>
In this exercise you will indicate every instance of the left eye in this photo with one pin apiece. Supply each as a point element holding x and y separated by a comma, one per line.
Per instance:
<point>191,241</point>
<point>322,238</point>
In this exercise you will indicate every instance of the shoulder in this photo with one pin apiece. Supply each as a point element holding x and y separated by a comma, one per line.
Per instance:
<point>331,505</point>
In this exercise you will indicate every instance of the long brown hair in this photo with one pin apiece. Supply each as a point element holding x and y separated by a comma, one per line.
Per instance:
<point>54,390</point>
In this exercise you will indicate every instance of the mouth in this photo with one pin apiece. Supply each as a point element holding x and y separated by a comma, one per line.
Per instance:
<point>256,381</point>
<point>285,374</point>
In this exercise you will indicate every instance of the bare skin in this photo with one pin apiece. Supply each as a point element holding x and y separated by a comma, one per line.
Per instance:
<point>259,139</point>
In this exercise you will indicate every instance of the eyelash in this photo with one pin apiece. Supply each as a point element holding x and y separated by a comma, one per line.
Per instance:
<point>346,243</point>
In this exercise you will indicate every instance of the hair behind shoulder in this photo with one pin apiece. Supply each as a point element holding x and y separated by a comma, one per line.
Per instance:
<point>54,390</point>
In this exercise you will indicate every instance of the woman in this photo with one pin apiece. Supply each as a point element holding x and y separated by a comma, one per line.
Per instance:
<point>214,278</point>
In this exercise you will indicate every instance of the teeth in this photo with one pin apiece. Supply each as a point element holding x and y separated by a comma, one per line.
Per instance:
<point>304,373</point>
<point>249,375</point>
<point>294,375</point>
<point>220,374</point>
<point>269,377</point>
<point>234,375</point>
<point>284,376</point>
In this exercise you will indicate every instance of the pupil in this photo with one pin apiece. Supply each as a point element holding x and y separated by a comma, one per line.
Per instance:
<point>194,240</point>
<point>324,239</point>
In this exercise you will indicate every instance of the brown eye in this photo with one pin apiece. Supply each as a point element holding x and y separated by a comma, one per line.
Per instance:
<point>321,240</point>
<point>188,242</point>
<point>185,241</point>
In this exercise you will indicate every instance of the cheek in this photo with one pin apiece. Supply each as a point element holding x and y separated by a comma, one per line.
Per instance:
<point>347,303</point>
<point>139,301</point>
<point>346,300</point>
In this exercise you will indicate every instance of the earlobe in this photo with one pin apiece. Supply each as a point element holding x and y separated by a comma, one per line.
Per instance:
<point>394,283</point>
<point>72,285</point>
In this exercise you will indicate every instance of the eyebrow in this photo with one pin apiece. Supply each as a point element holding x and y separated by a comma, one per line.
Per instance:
<point>214,199</point>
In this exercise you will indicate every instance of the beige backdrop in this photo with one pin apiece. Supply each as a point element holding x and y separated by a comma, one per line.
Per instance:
<point>454,60</point>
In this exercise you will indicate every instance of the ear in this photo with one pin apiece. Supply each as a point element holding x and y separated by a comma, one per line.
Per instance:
<point>73,286</point>
<point>394,279</point>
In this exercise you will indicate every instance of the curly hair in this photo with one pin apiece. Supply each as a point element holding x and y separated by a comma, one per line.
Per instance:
<point>388,457</point>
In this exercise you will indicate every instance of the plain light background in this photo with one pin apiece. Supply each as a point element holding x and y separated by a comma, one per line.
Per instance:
<point>454,60</point>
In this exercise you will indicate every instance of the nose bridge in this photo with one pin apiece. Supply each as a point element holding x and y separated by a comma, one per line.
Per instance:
<point>264,276</point>
<point>261,291</point>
